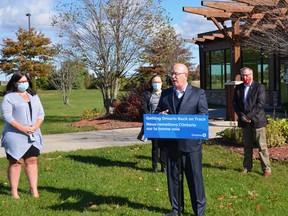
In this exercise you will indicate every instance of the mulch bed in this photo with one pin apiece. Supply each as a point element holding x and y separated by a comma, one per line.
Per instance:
<point>276,153</point>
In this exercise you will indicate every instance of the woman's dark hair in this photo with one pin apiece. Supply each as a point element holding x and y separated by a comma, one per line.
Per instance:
<point>150,82</point>
<point>12,86</point>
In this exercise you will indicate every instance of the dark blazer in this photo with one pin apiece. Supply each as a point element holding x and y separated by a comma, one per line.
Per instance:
<point>145,101</point>
<point>193,102</point>
<point>254,108</point>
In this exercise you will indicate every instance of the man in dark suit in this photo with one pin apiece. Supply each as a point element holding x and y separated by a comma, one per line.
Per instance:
<point>183,98</point>
<point>248,103</point>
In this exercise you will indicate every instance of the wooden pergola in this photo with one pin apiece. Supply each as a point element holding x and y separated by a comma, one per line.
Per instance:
<point>244,15</point>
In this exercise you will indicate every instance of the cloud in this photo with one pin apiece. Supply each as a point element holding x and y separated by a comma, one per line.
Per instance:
<point>190,26</point>
<point>193,24</point>
<point>13,14</point>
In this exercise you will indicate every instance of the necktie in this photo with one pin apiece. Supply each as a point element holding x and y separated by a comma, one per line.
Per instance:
<point>246,89</point>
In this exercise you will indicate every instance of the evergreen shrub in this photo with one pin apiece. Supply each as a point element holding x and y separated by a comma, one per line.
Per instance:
<point>276,133</point>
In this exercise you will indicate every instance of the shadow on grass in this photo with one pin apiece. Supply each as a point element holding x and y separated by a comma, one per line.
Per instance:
<point>142,157</point>
<point>4,189</point>
<point>104,162</point>
<point>89,201</point>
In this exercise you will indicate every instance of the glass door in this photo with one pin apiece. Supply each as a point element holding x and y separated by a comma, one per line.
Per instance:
<point>284,82</point>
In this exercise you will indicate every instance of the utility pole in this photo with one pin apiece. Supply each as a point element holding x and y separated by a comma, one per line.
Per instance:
<point>29,15</point>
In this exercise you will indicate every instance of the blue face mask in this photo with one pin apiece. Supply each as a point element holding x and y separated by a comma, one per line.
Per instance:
<point>157,86</point>
<point>22,86</point>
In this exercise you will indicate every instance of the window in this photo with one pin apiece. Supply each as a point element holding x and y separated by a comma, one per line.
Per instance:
<point>258,62</point>
<point>217,69</point>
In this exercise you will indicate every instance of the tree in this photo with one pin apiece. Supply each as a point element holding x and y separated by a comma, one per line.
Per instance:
<point>165,49</point>
<point>31,52</point>
<point>266,27</point>
<point>109,35</point>
<point>65,77</point>
<point>162,51</point>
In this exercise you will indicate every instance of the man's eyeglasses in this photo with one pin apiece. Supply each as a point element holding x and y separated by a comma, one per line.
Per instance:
<point>174,74</point>
<point>246,75</point>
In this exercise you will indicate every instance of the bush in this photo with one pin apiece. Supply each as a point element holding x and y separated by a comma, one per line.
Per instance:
<point>129,106</point>
<point>232,135</point>
<point>276,133</point>
<point>91,113</point>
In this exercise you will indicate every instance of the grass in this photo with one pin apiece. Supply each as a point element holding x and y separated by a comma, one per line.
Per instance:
<point>58,117</point>
<point>118,181</point>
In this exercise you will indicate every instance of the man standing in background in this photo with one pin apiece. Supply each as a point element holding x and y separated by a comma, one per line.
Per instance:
<point>248,102</point>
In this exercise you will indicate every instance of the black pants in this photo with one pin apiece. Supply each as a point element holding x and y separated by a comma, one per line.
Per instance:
<point>155,153</point>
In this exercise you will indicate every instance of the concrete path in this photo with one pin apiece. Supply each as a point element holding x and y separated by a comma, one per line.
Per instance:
<point>104,138</point>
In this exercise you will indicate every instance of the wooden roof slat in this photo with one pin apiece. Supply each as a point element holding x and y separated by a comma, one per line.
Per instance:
<point>269,26</point>
<point>257,16</point>
<point>252,27</point>
<point>279,22</point>
<point>198,39</point>
<point>207,12</point>
<point>229,6</point>
<point>218,35</point>
<point>281,11</point>
<point>208,37</point>
<point>260,2</point>
<point>189,40</point>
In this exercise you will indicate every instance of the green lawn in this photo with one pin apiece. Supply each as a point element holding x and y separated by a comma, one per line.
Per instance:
<point>59,117</point>
<point>118,181</point>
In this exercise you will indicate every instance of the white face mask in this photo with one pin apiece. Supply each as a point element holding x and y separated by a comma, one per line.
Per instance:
<point>157,86</point>
<point>22,86</point>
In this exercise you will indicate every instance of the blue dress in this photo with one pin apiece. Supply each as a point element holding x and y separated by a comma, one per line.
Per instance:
<point>14,107</point>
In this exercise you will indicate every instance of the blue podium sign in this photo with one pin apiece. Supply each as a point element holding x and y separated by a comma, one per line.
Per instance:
<point>176,126</point>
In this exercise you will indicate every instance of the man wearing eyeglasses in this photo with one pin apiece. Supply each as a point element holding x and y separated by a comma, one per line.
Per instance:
<point>183,98</point>
<point>248,103</point>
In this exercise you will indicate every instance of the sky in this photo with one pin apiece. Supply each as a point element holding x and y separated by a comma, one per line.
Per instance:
<point>13,16</point>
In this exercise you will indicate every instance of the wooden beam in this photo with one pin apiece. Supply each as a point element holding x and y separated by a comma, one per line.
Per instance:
<point>189,41</point>
<point>208,37</point>
<point>279,22</point>
<point>252,27</point>
<point>258,16</point>
<point>260,2</point>
<point>198,39</point>
<point>222,29</point>
<point>269,26</point>
<point>207,12</point>
<point>218,35</point>
<point>229,6</point>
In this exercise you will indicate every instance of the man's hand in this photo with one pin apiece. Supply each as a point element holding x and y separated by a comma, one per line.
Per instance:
<point>246,119</point>
<point>164,112</point>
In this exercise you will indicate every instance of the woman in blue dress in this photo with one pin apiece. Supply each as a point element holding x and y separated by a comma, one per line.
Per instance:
<point>23,114</point>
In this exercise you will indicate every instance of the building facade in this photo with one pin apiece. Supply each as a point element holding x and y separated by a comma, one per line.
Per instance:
<point>215,69</point>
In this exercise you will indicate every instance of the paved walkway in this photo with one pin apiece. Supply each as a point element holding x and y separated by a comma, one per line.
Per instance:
<point>105,138</point>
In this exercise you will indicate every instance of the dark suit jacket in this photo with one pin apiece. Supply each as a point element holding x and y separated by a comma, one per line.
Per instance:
<point>254,108</point>
<point>145,101</point>
<point>193,102</point>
